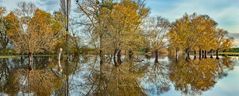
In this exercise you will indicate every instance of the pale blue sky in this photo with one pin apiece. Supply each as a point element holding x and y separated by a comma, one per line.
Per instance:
<point>225,12</point>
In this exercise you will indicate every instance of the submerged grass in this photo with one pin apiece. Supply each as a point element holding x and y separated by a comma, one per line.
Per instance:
<point>15,56</point>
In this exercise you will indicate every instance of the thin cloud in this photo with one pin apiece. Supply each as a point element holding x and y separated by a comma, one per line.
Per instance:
<point>49,5</point>
<point>225,12</point>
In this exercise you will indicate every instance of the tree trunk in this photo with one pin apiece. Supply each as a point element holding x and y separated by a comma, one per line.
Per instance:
<point>200,54</point>
<point>205,54</point>
<point>119,57</point>
<point>59,60</point>
<point>217,55</point>
<point>176,53</point>
<point>21,60</point>
<point>195,54</point>
<point>187,54</point>
<point>101,47</point>
<point>211,53</point>
<point>156,56</point>
<point>130,54</point>
<point>30,60</point>
<point>147,55</point>
<point>115,53</point>
<point>101,57</point>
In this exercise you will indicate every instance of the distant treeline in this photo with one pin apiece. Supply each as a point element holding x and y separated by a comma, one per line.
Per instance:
<point>79,51</point>
<point>233,50</point>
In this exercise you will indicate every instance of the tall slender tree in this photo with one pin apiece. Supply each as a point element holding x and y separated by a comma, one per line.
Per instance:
<point>65,10</point>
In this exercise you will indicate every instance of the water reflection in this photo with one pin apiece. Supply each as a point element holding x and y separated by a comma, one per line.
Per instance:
<point>19,80</point>
<point>196,76</point>
<point>156,80</point>
<point>85,76</point>
<point>109,80</point>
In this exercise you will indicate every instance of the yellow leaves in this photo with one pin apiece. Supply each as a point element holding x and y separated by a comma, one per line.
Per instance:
<point>199,74</point>
<point>126,14</point>
<point>195,31</point>
<point>43,82</point>
<point>12,24</point>
<point>57,27</point>
<point>40,22</point>
<point>34,34</point>
<point>119,22</point>
<point>227,43</point>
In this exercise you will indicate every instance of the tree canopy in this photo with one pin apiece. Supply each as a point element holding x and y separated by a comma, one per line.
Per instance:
<point>196,32</point>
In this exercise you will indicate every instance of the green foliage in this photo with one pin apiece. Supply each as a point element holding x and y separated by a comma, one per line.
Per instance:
<point>7,52</point>
<point>233,50</point>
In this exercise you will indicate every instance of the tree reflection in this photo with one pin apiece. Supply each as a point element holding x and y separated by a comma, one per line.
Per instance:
<point>195,76</point>
<point>157,79</point>
<point>17,79</point>
<point>38,82</point>
<point>70,67</point>
<point>86,76</point>
<point>43,82</point>
<point>109,80</point>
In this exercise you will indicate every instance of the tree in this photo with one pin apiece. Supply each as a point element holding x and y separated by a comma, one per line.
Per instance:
<point>65,10</point>
<point>180,34</point>
<point>196,32</point>
<point>118,23</point>
<point>196,76</point>
<point>25,9</point>
<point>90,10</point>
<point>121,26</point>
<point>12,25</point>
<point>4,40</point>
<point>222,43</point>
<point>40,35</point>
<point>115,80</point>
<point>156,29</point>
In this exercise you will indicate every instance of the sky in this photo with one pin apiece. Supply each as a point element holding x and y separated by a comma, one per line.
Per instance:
<point>225,12</point>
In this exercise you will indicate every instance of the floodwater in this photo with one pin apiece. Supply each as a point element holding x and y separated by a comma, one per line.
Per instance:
<point>85,76</point>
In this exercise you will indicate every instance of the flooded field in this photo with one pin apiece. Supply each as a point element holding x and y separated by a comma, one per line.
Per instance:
<point>85,76</point>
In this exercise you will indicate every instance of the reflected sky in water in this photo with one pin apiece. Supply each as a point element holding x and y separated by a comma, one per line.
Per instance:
<point>85,75</point>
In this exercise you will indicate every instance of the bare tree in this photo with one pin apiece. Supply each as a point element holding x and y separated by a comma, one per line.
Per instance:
<point>155,30</point>
<point>65,10</point>
<point>25,9</point>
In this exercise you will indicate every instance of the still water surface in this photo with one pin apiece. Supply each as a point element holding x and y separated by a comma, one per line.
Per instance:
<point>85,76</point>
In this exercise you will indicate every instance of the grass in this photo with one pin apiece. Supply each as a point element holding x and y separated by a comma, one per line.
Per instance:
<point>43,55</point>
<point>15,56</point>
<point>12,56</point>
<point>229,53</point>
